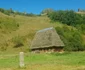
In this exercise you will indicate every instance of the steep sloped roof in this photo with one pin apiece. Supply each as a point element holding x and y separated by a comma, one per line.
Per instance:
<point>46,38</point>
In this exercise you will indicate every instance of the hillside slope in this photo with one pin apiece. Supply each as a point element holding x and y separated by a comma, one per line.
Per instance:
<point>16,32</point>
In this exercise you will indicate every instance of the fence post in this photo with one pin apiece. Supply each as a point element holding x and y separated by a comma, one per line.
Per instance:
<point>21,58</point>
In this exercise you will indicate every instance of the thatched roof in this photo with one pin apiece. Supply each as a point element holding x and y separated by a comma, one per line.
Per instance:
<point>46,38</point>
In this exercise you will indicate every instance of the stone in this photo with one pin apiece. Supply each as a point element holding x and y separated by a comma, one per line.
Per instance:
<point>21,59</point>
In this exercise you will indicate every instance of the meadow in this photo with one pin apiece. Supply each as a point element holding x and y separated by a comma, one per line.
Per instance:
<point>43,61</point>
<point>20,30</point>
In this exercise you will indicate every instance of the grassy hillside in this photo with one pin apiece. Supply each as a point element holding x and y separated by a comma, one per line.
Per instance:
<point>19,31</point>
<point>16,34</point>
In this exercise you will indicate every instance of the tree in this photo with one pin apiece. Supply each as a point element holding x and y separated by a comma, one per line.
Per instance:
<point>47,11</point>
<point>1,10</point>
<point>68,17</point>
<point>11,11</point>
<point>71,37</point>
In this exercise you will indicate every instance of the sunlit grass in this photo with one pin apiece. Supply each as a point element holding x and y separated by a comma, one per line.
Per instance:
<point>64,61</point>
<point>27,27</point>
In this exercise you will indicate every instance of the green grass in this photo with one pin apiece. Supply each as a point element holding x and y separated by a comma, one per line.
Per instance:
<point>9,56</point>
<point>65,58</point>
<point>72,60</point>
<point>23,27</point>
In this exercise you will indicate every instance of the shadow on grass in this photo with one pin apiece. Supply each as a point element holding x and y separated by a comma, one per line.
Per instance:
<point>61,54</point>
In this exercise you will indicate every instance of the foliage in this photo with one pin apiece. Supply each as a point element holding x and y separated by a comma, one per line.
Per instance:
<point>18,41</point>
<point>68,17</point>
<point>7,12</point>
<point>30,14</point>
<point>47,11</point>
<point>10,11</point>
<point>71,37</point>
<point>81,28</point>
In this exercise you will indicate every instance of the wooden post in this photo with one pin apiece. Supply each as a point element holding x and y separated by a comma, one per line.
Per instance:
<point>21,59</point>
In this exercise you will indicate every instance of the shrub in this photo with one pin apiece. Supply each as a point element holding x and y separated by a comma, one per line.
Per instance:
<point>4,46</point>
<point>47,11</point>
<point>68,17</point>
<point>71,38</point>
<point>81,28</point>
<point>14,13</point>
<point>18,41</point>
<point>2,10</point>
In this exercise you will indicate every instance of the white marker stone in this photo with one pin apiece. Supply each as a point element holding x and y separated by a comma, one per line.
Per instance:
<point>21,59</point>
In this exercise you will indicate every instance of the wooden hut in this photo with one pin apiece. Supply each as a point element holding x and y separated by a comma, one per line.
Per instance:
<point>47,40</point>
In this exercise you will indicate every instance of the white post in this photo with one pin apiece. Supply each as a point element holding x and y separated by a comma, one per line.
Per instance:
<point>21,59</point>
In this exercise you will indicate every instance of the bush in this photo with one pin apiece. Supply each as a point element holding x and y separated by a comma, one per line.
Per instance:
<point>47,11</point>
<point>71,38</point>
<point>18,41</point>
<point>4,46</point>
<point>14,13</point>
<point>81,28</point>
<point>68,17</point>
